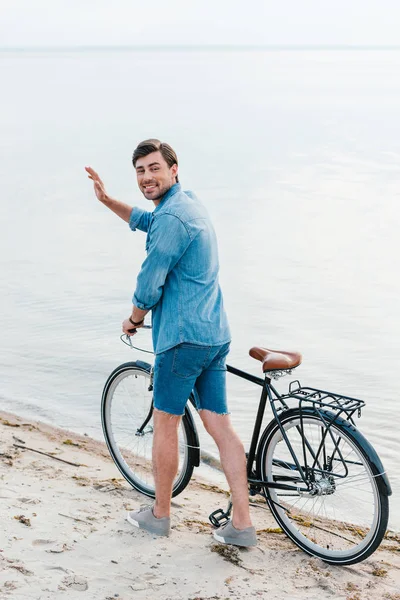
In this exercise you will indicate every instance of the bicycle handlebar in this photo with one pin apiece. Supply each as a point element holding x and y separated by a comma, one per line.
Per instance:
<point>127,339</point>
<point>142,327</point>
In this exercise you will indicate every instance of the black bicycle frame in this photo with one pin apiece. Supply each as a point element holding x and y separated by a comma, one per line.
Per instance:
<point>270,394</point>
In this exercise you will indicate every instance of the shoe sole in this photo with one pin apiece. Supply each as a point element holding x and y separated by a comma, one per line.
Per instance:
<point>132,521</point>
<point>233,541</point>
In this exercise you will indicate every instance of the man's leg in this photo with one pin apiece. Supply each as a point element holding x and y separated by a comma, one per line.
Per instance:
<point>233,462</point>
<point>171,391</point>
<point>155,519</point>
<point>175,373</point>
<point>165,460</point>
<point>213,409</point>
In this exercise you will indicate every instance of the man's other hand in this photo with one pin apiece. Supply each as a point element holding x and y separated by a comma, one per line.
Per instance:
<point>130,329</point>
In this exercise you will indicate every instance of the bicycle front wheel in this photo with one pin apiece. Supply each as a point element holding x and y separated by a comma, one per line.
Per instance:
<point>343,517</point>
<point>127,407</point>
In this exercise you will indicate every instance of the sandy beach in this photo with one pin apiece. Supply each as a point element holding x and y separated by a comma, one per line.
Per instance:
<point>64,535</point>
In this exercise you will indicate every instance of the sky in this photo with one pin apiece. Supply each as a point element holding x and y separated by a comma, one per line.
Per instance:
<point>182,22</point>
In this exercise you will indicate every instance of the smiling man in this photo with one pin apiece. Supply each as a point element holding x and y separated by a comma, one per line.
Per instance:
<point>178,283</point>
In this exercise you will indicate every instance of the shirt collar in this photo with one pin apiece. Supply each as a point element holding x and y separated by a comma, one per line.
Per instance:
<point>171,192</point>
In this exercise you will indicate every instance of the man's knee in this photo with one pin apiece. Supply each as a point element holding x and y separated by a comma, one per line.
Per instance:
<point>215,424</point>
<point>165,422</point>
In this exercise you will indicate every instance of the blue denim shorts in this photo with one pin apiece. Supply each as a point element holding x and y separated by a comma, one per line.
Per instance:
<point>186,367</point>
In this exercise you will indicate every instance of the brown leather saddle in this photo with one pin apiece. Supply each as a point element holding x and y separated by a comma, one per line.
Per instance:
<point>275,360</point>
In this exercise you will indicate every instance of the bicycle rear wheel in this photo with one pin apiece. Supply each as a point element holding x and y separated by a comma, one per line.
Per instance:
<point>127,421</point>
<point>344,516</point>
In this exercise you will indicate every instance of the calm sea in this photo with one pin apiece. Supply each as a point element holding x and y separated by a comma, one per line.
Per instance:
<point>296,155</point>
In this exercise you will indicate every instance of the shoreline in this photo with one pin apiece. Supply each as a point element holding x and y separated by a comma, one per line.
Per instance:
<point>64,529</point>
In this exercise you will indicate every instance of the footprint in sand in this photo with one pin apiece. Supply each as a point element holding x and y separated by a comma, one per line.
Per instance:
<point>56,547</point>
<point>29,500</point>
<point>74,582</point>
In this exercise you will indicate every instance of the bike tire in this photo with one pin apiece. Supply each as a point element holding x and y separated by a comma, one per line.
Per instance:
<point>126,403</point>
<point>317,522</point>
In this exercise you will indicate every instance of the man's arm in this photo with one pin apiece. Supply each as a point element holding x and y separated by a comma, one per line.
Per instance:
<point>119,208</point>
<point>169,241</point>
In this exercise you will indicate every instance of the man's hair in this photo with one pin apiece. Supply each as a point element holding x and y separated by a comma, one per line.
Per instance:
<point>153,145</point>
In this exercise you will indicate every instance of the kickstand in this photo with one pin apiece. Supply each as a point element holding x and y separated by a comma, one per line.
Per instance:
<point>220,517</point>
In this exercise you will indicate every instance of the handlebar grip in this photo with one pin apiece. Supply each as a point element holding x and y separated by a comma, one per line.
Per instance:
<point>142,327</point>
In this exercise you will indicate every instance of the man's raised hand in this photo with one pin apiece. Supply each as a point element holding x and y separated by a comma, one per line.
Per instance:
<point>119,208</point>
<point>99,188</point>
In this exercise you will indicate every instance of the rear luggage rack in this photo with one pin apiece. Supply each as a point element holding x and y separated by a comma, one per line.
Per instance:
<point>319,399</point>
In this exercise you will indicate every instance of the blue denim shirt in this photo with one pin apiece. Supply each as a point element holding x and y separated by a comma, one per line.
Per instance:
<point>178,280</point>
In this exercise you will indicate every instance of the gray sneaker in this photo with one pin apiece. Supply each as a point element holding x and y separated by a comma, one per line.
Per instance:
<point>144,519</point>
<point>228,534</point>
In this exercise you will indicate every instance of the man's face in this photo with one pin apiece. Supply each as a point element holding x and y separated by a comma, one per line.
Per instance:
<point>154,176</point>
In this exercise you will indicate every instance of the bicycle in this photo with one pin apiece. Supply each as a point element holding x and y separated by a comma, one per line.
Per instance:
<point>322,480</point>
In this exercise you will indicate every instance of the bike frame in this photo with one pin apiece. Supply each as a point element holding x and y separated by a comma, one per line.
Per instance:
<point>270,394</point>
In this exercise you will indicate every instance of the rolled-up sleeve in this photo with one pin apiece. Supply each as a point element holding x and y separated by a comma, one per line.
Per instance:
<point>139,219</point>
<point>169,241</point>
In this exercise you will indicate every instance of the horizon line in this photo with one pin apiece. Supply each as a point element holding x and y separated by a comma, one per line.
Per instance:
<point>199,47</point>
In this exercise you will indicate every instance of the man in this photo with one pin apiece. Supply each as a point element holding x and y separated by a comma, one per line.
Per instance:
<point>178,282</point>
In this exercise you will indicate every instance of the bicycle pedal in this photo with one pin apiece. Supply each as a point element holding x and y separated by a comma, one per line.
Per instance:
<point>219,517</point>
